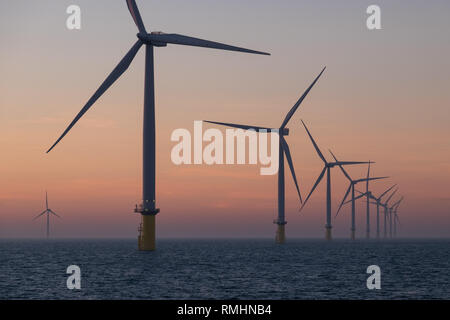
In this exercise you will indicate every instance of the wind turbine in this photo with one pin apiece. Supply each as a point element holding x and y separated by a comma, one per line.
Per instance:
<point>351,188</point>
<point>282,152</point>
<point>148,208</point>
<point>327,167</point>
<point>47,211</point>
<point>368,194</point>
<point>385,205</point>
<point>377,201</point>
<point>394,216</point>
<point>392,225</point>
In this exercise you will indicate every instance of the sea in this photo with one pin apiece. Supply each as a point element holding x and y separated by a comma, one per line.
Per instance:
<point>225,269</point>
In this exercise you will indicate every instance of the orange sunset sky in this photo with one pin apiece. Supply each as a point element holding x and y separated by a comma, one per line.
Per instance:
<point>384,97</point>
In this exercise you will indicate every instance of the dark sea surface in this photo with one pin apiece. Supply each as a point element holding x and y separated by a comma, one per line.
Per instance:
<point>225,269</point>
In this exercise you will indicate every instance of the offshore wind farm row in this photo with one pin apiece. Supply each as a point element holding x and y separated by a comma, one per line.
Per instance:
<point>147,208</point>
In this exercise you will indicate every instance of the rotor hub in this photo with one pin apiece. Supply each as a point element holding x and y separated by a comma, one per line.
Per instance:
<point>284,131</point>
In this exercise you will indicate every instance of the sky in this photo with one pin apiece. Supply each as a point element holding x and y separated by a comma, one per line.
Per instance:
<point>384,97</point>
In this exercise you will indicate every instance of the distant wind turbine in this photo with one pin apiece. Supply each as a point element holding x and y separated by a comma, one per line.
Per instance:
<point>377,202</point>
<point>394,213</point>
<point>351,188</point>
<point>327,167</point>
<point>368,194</point>
<point>148,208</point>
<point>283,151</point>
<point>47,211</point>
<point>385,205</point>
<point>393,217</point>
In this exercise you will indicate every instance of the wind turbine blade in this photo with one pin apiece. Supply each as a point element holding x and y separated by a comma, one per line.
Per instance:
<point>54,213</point>
<point>358,197</point>
<point>387,191</point>
<point>115,74</point>
<point>343,200</point>
<point>398,219</point>
<point>40,214</point>
<point>314,144</point>
<point>370,179</point>
<point>174,38</point>
<point>46,200</point>
<point>314,187</point>
<point>342,168</point>
<point>287,152</point>
<point>348,163</point>
<point>397,203</point>
<point>295,107</point>
<point>132,7</point>
<point>372,197</point>
<point>367,181</point>
<point>390,197</point>
<point>240,126</point>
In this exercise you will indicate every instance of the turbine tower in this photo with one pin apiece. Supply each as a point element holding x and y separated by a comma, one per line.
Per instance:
<point>377,202</point>
<point>396,218</point>
<point>367,204</point>
<point>385,205</point>
<point>283,151</point>
<point>392,225</point>
<point>147,208</point>
<point>394,215</point>
<point>47,211</point>
<point>351,188</point>
<point>327,168</point>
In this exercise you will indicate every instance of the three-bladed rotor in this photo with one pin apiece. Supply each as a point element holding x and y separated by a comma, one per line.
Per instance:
<point>282,130</point>
<point>157,39</point>
<point>327,164</point>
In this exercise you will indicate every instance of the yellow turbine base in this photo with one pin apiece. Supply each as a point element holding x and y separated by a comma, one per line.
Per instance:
<point>146,239</point>
<point>327,233</point>
<point>280,236</point>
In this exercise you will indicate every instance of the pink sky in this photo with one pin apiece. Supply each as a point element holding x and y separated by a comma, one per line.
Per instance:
<point>384,97</point>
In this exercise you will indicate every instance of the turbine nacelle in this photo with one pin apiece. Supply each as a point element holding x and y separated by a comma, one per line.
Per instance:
<point>283,131</point>
<point>147,39</point>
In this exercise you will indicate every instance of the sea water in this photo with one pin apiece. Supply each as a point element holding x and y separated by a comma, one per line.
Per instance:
<point>225,269</point>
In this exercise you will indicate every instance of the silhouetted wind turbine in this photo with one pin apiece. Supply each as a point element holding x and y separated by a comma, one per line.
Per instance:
<point>377,203</point>
<point>326,168</point>
<point>368,201</point>
<point>283,151</point>
<point>385,205</point>
<point>148,208</point>
<point>47,211</point>
<point>351,188</point>
<point>394,209</point>
<point>391,218</point>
